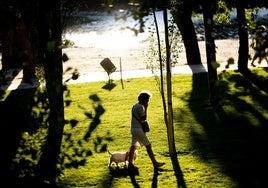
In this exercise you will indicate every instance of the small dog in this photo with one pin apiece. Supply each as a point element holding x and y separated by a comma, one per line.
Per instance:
<point>120,157</point>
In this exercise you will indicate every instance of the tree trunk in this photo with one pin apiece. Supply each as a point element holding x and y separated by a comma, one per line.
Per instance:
<point>53,73</point>
<point>170,128</point>
<point>183,18</point>
<point>243,51</point>
<point>16,45</point>
<point>24,46</point>
<point>210,49</point>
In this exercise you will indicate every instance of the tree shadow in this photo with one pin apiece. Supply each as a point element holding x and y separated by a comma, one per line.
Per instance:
<point>118,172</point>
<point>158,171</point>
<point>178,171</point>
<point>124,172</point>
<point>16,119</point>
<point>255,79</point>
<point>23,116</point>
<point>237,139</point>
<point>155,177</point>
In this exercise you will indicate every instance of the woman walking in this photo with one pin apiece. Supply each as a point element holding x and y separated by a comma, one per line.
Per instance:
<point>139,137</point>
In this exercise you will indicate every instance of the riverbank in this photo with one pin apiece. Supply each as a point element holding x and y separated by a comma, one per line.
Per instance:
<point>133,57</point>
<point>87,62</point>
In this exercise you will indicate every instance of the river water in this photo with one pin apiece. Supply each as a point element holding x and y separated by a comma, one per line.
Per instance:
<point>98,29</point>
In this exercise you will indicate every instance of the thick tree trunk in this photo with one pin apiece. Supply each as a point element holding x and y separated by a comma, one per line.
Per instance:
<point>183,18</point>
<point>10,41</point>
<point>16,45</point>
<point>8,56</point>
<point>25,47</point>
<point>53,72</point>
<point>243,37</point>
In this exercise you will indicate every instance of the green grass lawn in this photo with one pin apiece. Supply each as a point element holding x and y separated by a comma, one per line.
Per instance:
<point>223,146</point>
<point>217,146</point>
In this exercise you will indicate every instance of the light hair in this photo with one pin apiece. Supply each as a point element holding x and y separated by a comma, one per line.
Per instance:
<point>146,92</point>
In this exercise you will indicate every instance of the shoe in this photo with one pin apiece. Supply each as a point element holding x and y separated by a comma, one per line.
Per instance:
<point>158,165</point>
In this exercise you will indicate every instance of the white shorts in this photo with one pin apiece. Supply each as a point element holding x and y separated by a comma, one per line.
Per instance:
<point>139,138</point>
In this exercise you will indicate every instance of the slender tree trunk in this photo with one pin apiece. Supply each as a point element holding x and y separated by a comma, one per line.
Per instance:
<point>161,87</point>
<point>208,7</point>
<point>170,128</point>
<point>243,37</point>
<point>183,18</point>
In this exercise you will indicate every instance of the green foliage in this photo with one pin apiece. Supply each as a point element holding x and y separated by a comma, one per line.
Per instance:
<point>230,61</point>
<point>66,43</point>
<point>223,12</point>
<point>51,45</point>
<point>152,55</point>
<point>215,64</point>
<point>250,17</point>
<point>28,153</point>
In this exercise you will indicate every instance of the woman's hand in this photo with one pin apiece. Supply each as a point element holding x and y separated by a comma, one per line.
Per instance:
<point>145,105</point>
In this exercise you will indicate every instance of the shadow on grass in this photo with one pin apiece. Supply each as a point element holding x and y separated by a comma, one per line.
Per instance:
<point>260,81</point>
<point>157,172</point>
<point>15,117</point>
<point>23,117</point>
<point>235,131</point>
<point>117,172</point>
<point>109,85</point>
<point>178,172</point>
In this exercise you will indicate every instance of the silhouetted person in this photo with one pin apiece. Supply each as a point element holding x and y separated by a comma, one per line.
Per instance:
<point>259,44</point>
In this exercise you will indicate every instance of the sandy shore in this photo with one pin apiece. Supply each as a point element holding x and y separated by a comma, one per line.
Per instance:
<point>133,58</point>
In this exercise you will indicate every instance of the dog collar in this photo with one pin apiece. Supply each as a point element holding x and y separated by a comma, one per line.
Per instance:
<point>127,154</point>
